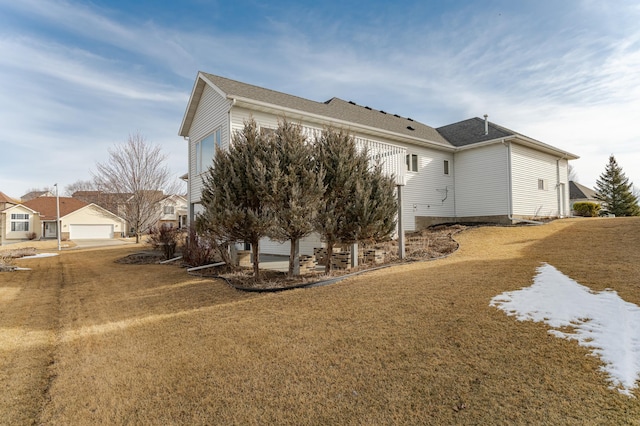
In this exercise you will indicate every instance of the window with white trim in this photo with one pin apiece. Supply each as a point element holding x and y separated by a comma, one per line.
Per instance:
<point>446,167</point>
<point>412,162</point>
<point>206,150</point>
<point>169,210</point>
<point>19,221</point>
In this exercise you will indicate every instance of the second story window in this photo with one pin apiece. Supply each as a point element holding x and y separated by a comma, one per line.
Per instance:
<point>206,150</point>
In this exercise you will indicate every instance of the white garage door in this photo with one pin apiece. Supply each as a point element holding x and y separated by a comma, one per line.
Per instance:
<point>90,232</point>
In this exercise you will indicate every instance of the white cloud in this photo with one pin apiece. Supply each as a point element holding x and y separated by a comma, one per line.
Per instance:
<point>567,79</point>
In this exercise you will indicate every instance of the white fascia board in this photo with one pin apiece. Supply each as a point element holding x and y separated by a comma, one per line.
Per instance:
<point>524,141</point>
<point>321,119</point>
<point>194,100</point>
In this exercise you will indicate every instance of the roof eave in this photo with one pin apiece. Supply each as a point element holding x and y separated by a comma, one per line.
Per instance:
<point>194,100</point>
<point>322,119</point>
<point>524,140</point>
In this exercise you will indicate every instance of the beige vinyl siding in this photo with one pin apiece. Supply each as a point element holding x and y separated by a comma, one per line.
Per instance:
<point>528,166</point>
<point>482,181</point>
<point>210,115</point>
<point>34,224</point>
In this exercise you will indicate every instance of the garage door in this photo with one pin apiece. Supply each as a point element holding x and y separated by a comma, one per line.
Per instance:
<point>90,232</point>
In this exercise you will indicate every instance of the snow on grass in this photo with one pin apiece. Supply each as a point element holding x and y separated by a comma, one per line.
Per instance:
<point>602,321</point>
<point>39,255</point>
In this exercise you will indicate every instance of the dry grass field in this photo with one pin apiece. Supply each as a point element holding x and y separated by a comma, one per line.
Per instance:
<point>84,340</point>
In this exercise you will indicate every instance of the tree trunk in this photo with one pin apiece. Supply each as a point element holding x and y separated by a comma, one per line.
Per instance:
<point>294,258</point>
<point>327,266</point>
<point>256,259</point>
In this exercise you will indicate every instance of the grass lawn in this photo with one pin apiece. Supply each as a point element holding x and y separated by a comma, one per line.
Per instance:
<point>84,340</point>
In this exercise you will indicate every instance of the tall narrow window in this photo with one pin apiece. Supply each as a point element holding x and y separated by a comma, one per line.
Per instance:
<point>412,162</point>
<point>446,167</point>
<point>206,150</point>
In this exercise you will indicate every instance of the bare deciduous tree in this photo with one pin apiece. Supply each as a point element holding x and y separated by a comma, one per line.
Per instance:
<point>136,172</point>
<point>572,174</point>
<point>79,185</point>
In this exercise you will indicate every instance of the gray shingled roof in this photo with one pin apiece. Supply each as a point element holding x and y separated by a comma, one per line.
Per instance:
<point>471,131</point>
<point>334,108</point>
<point>577,191</point>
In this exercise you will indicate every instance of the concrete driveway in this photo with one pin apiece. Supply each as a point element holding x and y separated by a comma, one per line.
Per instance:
<point>101,243</point>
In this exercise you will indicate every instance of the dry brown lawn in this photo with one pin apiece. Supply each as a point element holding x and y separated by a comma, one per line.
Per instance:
<point>84,340</point>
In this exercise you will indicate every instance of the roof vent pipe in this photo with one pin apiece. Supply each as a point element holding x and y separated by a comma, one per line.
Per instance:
<point>486,124</point>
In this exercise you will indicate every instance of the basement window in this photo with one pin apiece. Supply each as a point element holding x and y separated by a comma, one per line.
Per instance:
<point>412,162</point>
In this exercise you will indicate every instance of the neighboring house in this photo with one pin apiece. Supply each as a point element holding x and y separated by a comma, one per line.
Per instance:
<point>79,220</point>
<point>6,201</point>
<point>579,193</point>
<point>471,171</point>
<point>35,194</point>
<point>171,209</point>
<point>18,223</point>
<point>174,211</point>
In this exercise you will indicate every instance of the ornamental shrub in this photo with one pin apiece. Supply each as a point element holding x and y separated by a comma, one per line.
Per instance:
<point>586,209</point>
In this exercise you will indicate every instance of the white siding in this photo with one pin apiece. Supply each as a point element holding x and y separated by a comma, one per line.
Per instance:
<point>428,192</point>
<point>212,113</point>
<point>527,167</point>
<point>482,181</point>
<point>307,245</point>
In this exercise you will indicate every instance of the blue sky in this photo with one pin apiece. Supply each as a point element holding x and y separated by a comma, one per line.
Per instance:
<point>78,77</point>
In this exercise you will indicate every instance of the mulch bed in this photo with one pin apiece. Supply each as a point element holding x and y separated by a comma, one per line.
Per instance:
<point>428,244</point>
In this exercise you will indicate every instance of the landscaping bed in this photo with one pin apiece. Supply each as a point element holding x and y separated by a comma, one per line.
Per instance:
<point>432,243</point>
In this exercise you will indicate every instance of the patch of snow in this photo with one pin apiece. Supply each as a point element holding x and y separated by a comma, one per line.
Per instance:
<point>39,255</point>
<point>22,269</point>
<point>603,321</point>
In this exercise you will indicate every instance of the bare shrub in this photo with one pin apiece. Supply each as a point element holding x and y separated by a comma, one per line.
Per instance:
<point>196,251</point>
<point>31,236</point>
<point>165,239</point>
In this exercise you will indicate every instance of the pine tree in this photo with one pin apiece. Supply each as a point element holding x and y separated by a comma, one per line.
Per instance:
<point>616,192</point>
<point>299,189</point>
<point>359,201</point>
<point>238,191</point>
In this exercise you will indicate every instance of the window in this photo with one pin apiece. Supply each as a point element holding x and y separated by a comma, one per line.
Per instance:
<point>267,132</point>
<point>412,162</point>
<point>19,221</point>
<point>206,150</point>
<point>542,184</point>
<point>169,210</point>
<point>446,167</point>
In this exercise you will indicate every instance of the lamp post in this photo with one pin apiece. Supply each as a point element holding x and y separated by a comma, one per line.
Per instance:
<point>57,214</point>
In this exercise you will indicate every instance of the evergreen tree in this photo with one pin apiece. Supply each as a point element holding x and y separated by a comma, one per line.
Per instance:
<point>614,189</point>
<point>359,201</point>
<point>298,191</point>
<point>336,154</point>
<point>238,191</point>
